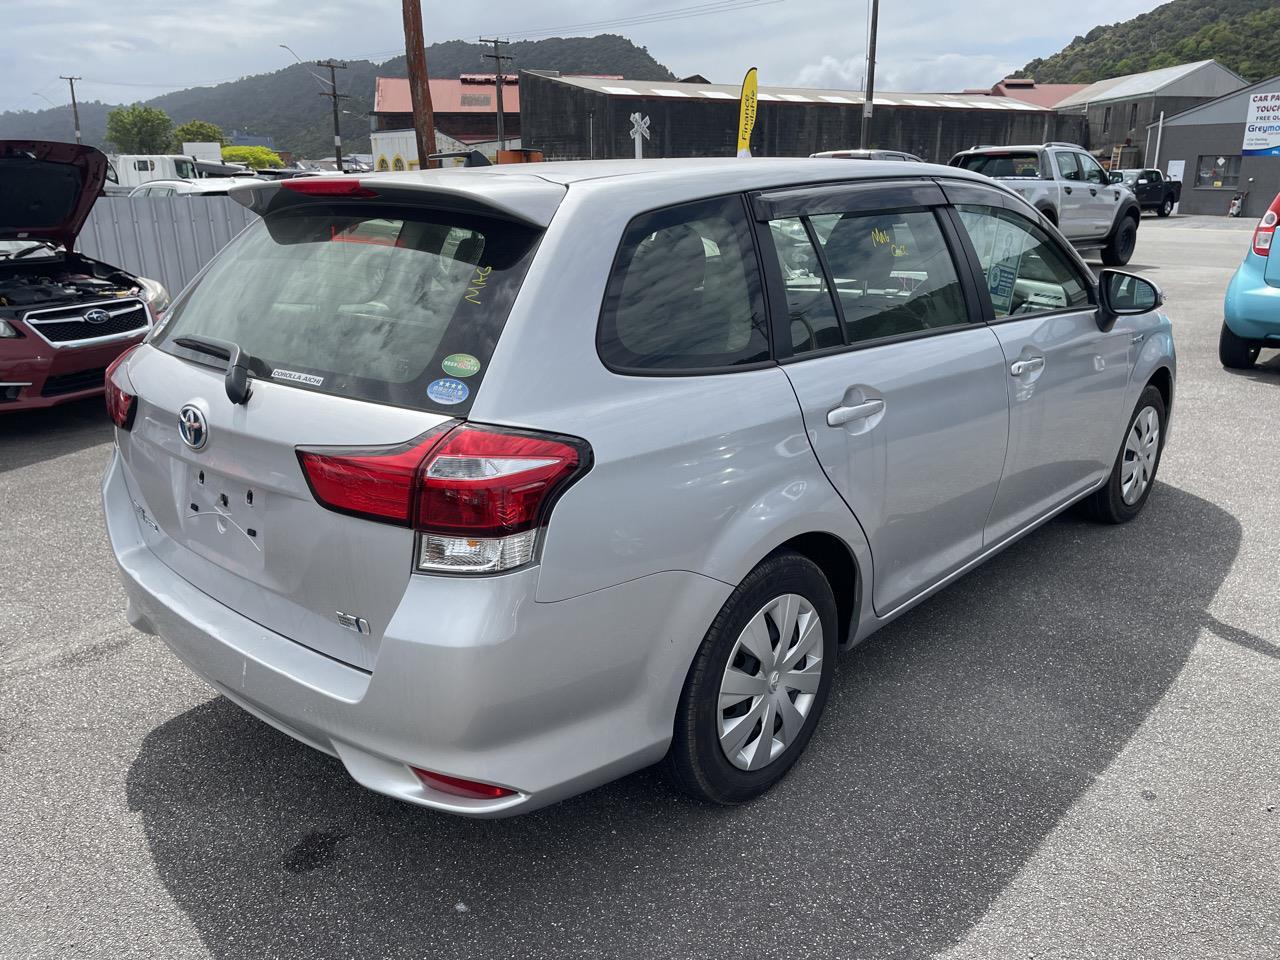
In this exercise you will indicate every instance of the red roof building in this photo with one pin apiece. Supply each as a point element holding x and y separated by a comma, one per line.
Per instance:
<point>465,108</point>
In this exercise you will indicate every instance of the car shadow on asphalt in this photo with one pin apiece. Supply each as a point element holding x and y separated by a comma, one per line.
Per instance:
<point>37,435</point>
<point>956,739</point>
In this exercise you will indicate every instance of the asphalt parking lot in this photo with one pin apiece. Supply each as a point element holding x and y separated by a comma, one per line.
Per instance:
<point>1072,752</point>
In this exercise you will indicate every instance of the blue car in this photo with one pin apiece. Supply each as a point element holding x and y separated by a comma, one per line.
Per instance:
<point>1252,309</point>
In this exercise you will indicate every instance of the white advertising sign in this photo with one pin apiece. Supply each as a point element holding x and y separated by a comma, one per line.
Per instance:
<point>1262,126</point>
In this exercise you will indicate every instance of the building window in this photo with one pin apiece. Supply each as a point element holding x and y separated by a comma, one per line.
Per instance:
<point>476,100</point>
<point>1218,171</point>
<point>1106,120</point>
<point>1133,117</point>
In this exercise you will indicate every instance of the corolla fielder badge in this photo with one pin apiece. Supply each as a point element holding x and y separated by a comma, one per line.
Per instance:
<point>96,316</point>
<point>192,427</point>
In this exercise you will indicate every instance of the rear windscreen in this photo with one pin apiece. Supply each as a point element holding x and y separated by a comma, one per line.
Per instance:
<point>361,301</point>
<point>1002,164</point>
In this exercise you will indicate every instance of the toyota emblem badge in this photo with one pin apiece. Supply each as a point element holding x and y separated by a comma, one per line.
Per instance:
<point>192,427</point>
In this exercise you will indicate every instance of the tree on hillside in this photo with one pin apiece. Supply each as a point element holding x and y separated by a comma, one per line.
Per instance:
<point>197,131</point>
<point>256,158</point>
<point>139,129</point>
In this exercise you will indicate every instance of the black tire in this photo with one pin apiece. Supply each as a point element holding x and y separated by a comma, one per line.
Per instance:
<point>696,763</point>
<point>1166,207</point>
<point>1107,504</point>
<point>1236,353</point>
<point>1124,239</point>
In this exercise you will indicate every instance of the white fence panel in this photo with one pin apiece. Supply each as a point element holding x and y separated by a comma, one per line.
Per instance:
<point>165,238</point>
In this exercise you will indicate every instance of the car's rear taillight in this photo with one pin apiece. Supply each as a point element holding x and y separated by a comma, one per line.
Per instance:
<point>122,404</point>
<point>477,496</point>
<point>1266,230</point>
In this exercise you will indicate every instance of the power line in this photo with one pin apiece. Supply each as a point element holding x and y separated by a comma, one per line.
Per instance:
<point>333,66</point>
<point>498,57</point>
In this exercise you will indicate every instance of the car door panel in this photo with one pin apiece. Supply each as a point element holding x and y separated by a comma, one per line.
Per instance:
<point>1073,209</point>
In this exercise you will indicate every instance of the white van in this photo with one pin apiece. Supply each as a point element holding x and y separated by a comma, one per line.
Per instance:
<point>126,171</point>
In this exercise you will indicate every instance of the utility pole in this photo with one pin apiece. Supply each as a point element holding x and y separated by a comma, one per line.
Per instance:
<point>870,92</point>
<point>424,123</point>
<point>497,57</point>
<point>332,93</point>
<point>75,107</point>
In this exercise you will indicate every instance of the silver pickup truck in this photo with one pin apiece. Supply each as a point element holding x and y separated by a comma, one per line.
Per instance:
<point>1071,189</point>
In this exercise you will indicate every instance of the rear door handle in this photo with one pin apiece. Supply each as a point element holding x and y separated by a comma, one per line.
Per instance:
<point>1066,189</point>
<point>1093,191</point>
<point>839,416</point>
<point>1019,367</point>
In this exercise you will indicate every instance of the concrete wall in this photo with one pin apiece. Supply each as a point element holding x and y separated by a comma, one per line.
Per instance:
<point>1189,142</point>
<point>163,238</point>
<point>567,122</point>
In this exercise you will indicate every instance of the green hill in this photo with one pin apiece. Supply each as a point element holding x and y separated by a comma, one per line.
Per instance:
<point>287,105</point>
<point>1243,35</point>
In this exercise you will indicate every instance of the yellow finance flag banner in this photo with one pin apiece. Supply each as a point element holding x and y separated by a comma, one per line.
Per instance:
<point>747,115</point>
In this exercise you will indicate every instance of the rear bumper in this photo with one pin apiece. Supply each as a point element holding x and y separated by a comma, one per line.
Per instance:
<point>1252,306</point>
<point>473,679</point>
<point>34,375</point>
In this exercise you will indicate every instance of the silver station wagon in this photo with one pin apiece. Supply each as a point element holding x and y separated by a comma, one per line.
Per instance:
<point>498,484</point>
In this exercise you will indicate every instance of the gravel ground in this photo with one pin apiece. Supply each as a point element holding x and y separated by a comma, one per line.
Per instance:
<point>1072,752</point>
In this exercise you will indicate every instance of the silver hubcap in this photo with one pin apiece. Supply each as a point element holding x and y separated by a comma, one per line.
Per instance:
<point>1141,449</point>
<point>770,683</point>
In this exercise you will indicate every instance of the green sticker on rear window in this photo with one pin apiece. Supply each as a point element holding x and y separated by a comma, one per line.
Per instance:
<point>460,365</point>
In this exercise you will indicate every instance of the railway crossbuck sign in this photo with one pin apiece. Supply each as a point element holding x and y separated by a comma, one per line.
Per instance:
<point>639,133</point>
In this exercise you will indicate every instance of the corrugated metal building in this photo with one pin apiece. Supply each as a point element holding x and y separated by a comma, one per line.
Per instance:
<point>1118,110</point>
<point>1206,145</point>
<point>575,118</point>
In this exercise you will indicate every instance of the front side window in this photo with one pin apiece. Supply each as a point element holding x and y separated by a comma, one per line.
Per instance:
<point>892,272</point>
<point>1217,171</point>
<point>1092,170</point>
<point>685,292</point>
<point>1026,271</point>
<point>186,169</point>
<point>362,301</point>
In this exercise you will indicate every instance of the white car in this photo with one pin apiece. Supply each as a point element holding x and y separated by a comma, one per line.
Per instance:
<point>211,187</point>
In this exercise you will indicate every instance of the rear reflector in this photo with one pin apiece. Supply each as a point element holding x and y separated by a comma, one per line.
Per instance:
<point>476,495</point>
<point>328,187</point>
<point>122,404</point>
<point>456,786</point>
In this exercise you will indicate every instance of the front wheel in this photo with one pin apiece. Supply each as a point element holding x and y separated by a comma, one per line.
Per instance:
<point>1120,247</point>
<point>1236,353</point>
<point>757,685</point>
<point>1134,472</point>
<point>1166,207</point>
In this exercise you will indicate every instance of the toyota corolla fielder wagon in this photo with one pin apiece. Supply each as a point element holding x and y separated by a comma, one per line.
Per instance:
<point>498,484</point>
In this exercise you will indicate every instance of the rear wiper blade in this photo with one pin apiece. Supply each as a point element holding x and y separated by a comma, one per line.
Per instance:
<point>237,380</point>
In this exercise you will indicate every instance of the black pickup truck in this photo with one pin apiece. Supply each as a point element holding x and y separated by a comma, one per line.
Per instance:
<point>1153,191</point>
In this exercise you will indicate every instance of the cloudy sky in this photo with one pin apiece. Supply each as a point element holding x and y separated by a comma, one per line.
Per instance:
<point>129,50</point>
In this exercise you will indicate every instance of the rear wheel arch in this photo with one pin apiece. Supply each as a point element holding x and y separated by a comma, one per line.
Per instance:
<point>1049,213</point>
<point>838,564</point>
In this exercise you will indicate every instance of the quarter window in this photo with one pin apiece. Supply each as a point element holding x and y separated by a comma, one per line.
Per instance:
<point>892,272</point>
<point>1026,272</point>
<point>685,292</point>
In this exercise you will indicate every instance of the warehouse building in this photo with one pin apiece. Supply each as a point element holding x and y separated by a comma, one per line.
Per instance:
<point>466,117</point>
<point>1119,110</point>
<point>1227,145</point>
<point>577,118</point>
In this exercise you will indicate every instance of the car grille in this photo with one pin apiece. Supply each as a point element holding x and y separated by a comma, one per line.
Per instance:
<point>64,383</point>
<point>68,324</point>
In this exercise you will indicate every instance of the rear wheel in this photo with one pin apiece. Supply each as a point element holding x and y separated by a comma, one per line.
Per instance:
<point>1166,207</point>
<point>758,684</point>
<point>1236,353</point>
<point>1134,472</point>
<point>1119,248</point>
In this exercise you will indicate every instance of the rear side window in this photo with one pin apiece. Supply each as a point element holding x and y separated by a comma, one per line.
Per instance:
<point>893,273</point>
<point>685,292</point>
<point>364,302</point>
<point>1025,269</point>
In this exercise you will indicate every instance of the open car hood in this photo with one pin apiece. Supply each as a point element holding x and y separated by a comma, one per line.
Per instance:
<point>47,189</point>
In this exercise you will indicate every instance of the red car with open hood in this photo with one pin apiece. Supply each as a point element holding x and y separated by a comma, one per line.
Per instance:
<point>63,317</point>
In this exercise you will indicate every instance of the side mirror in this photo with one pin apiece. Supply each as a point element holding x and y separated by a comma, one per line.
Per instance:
<point>1117,177</point>
<point>1124,294</point>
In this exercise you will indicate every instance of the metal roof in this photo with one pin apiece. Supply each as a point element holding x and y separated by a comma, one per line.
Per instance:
<point>1145,84</point>
<point>651,89</point>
